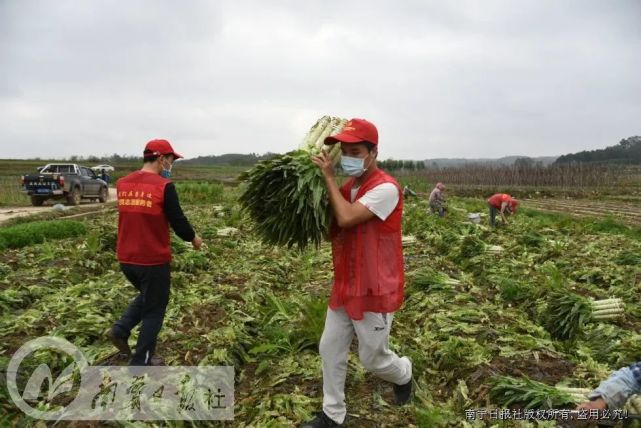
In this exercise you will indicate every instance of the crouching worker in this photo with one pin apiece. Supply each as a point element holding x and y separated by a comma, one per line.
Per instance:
<point>147,205</point>
<point>437,200</point>
<point>502,204</point>
<point>368,271</point>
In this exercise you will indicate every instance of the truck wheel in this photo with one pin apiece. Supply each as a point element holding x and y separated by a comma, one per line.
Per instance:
<point>37,201</point>
<point>104,195</point>
<point>74,197</point>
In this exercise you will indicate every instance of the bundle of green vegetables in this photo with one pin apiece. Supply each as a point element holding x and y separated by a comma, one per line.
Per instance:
<point>506,391</point>
<point>285,196</point>
<point>568,313</point>
<point>430,279</point>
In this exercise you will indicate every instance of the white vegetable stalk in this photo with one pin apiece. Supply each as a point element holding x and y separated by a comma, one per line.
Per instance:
<point>314,141</point>
<point>605,301</point>
<point>309,142</point>
<point>493,249</point>
<point>607,309</point>
<point>408,240</point>
<point>578,394</point>
<point>607,317</point>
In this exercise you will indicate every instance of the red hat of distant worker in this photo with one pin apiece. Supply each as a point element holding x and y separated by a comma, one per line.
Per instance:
<point>160,147</point>
<point>355,131</point>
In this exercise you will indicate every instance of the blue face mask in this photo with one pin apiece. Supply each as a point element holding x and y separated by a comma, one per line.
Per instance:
<point>354,167</point>
<point>166,172</point>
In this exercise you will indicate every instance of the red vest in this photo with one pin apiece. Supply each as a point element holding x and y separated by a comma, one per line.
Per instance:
<point>368,258</point>
<point>497,199</point>
<point>143,229</point>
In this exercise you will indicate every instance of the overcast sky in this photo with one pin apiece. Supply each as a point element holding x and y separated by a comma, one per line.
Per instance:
<point>438,78</point>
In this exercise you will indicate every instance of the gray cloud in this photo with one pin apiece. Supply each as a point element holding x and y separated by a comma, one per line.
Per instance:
<point>464,79</point>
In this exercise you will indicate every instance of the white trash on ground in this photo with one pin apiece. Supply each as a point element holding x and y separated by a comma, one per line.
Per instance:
<point>474,217</point>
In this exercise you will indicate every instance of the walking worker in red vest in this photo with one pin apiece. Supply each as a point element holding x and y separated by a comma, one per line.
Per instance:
<point>147,205</point>
<point>503,204</point>
<point>368,271</point>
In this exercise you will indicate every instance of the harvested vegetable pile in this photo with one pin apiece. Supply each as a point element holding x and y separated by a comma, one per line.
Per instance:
<point>285,196</point>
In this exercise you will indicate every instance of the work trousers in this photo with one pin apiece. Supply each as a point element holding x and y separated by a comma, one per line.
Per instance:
<point>373,350</point>
<point>147,308</point>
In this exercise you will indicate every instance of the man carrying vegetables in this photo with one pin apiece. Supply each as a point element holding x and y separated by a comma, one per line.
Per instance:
<point>368,271</point>
<point>147,205</point>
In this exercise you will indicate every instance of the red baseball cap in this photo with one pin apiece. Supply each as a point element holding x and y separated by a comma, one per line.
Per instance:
<point>160,147</point>
<point>355,131</point>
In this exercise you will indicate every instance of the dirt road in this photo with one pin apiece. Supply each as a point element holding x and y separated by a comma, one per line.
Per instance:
<point>7,213</point>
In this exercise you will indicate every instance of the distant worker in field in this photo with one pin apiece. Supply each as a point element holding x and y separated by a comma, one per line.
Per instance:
<point>437,200</point>
<point>368,271</point>
<point>502,204</point>
<point>147,205</point>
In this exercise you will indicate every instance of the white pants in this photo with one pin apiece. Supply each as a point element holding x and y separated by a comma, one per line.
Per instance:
<point>373,350</point>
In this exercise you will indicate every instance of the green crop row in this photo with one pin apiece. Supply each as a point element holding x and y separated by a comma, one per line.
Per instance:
<point>37,232</point>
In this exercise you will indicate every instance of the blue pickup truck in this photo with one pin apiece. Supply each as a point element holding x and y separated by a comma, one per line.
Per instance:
<point>67,181</point>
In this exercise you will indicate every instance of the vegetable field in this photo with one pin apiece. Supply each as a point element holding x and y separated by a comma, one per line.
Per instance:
<point>492,318</point>
<point>628,212</point>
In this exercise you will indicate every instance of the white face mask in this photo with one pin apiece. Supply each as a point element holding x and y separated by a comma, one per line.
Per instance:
<point>354,167</point>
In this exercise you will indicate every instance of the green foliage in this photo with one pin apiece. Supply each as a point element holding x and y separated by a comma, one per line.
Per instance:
<point>310,325</point>
<point>532,239</point>
<point>471,246</point>
<point>603,342</point>
<point>93,242</point>
<point>36,232</point>
<point>627,151</point>
<point>528,393</point>
<point>401,165</point>
<point>629,350</point>
<point>459,354</point>
<point>199,192</point>
<point>515,291</point>
<point>11,192</point>
<point>628,258</point>
<point>234,159</point>
<point>287,200</point>
<point>567,314</point>
<point>431,417</point>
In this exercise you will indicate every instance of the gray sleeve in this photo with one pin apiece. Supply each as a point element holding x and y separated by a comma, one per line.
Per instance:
<point>616,389</point>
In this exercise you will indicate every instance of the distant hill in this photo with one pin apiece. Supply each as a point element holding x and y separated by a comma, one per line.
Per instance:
<point>507,160</point>
<point>627,151</point>
<point>233,159</point>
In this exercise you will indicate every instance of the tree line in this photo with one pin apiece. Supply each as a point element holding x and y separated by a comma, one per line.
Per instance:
<point>627,151</point>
